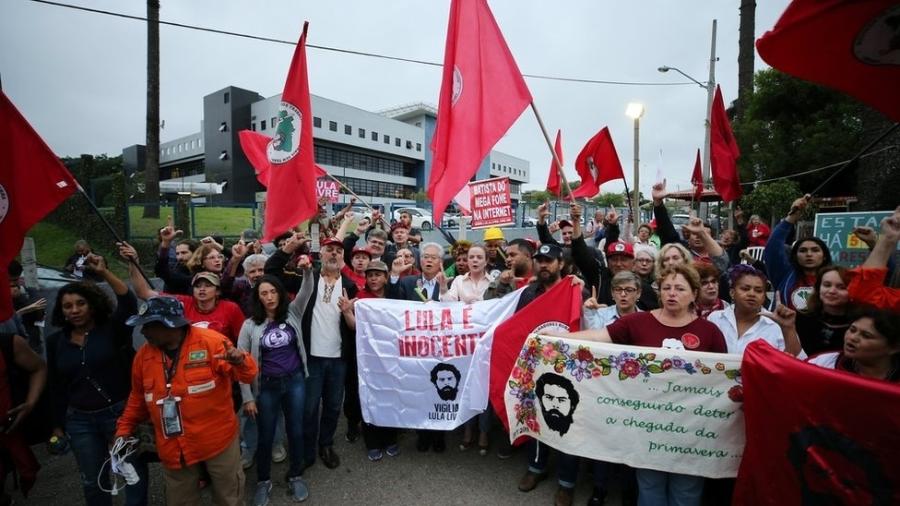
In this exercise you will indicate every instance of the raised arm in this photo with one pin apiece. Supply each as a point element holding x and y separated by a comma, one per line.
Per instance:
<point>543,230</point>
<point>298,305</point>
<point>141,288</point>
<point>664,227</point>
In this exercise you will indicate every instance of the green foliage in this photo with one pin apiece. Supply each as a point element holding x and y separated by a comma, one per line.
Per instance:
<point>771,200</point>
<point>537,196</point>
<point>791,126</point>
<point>610,200</point>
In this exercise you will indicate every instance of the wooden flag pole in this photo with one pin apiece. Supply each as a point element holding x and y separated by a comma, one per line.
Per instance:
<point>559,166</point>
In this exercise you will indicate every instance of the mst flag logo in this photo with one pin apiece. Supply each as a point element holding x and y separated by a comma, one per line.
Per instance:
<point>286,143</point>
<point>878,43</point>
<point>457,85</point>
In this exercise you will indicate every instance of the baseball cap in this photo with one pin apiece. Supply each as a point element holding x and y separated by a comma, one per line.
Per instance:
<point>399,224</point>
<point>564,223</point>
<point>209,276</point>
<point>620,248</point>
<point>250,235</point>
<point>361,250</point>
<point>550,251</point>
<point>166,310</point>
<point>377,265</point>
<point>331,241</point>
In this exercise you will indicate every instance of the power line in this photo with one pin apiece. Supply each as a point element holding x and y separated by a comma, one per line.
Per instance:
<point>344,51</point>
<point>830,166</point>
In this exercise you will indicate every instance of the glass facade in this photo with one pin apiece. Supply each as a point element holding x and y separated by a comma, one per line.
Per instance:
<point>352,160</point>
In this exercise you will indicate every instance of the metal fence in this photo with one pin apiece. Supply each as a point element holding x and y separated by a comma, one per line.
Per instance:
<point>227,220</point>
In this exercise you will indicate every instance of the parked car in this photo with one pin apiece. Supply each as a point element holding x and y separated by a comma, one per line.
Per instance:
<point>421,218</point>
<point>528,221</point>
<point>451,220</point>
<point>680,219</point>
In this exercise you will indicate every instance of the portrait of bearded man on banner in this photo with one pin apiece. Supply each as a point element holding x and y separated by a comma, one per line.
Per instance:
<point>558,400</point>
<point>445,378</point>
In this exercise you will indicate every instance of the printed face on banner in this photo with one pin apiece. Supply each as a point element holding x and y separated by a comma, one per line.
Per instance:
<point>558,400</point>
<point>445,378</point>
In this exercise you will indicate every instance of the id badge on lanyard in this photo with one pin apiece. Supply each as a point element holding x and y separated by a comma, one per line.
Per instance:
<point>169,406</point>
<point>170,415</point>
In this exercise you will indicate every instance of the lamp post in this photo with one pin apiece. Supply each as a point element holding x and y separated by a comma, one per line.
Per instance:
<point>710,87</point>
<point>635,111</point>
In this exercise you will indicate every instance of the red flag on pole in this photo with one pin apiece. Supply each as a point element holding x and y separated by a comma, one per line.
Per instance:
<point>254,146</point>
<point>697,178</point>
<point>814,435</point>
<point>849,45</point>
<point>482,94</point>
<point>597,163</point>
<point>553,180</point>
<point>724,152</point>
<point>287,165</point>
<point>560,306</point>
<point>33,182</point>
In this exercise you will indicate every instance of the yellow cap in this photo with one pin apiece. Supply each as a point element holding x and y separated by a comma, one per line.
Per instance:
<point>493,234</point>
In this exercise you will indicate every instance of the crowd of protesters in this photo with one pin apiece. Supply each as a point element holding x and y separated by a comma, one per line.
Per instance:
<point>251,352</point>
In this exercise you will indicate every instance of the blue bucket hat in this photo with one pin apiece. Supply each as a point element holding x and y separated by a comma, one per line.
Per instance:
<point>166,310</point>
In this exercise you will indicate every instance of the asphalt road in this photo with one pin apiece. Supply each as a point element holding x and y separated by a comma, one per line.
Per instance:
<point>412,478</point>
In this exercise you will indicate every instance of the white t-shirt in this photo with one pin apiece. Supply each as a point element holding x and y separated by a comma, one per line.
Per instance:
<point>827,360</point>
<point>325,330</point>
<point>764,329</point>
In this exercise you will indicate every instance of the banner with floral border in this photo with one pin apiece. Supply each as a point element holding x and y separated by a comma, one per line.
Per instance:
<point>650,408</point>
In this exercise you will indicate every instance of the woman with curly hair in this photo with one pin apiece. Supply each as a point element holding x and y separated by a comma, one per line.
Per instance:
<point>89,366</point>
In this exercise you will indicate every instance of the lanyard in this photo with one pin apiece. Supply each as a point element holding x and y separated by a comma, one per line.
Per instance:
<point>170,370</point>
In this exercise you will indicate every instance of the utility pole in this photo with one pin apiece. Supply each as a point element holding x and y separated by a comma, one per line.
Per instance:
<point>710,93</point>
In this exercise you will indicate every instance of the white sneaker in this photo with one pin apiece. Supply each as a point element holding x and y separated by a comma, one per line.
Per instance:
<point>278,453</point>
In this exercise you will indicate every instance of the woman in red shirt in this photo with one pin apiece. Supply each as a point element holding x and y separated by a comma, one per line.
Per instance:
<point>203,308</point>
<point>676,326</point>
<point>757,232</point>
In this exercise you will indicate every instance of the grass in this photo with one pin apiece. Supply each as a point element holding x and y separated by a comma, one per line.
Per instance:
<point>225,221</point>
<point>53,246</point>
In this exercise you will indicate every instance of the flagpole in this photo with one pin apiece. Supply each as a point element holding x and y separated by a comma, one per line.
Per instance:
<point>558,163</point>
<point>111,230</point>
<point>630,206</point>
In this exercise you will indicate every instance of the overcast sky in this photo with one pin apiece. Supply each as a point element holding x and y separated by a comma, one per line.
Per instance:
<point>80,77</point>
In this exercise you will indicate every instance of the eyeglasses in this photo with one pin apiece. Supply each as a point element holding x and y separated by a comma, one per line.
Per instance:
<point>622,289</point>
<point>215,257</point>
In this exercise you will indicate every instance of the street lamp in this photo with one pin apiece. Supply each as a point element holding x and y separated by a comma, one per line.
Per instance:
<point>634,111</point>
<point>710,87</point>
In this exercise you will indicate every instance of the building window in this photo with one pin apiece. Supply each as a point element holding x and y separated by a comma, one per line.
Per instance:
<point>227,97</point>
<point>332,125</point>
<point>272,122</point>
<point>348,129</point>
<point>199,143</point>
<point>408,144</point>
<point>419,124</point>
<point>387,139</point>
<point>397,142</point>
<point>317,122</point>
<point>362,133</point>
<point>253,126</point>
<point>262,125</point>
<point>223,127</point>
<point>418,146</point>
<point>375,136</point>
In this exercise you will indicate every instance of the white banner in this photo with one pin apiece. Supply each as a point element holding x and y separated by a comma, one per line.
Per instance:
<point>650,408</point>
<point>416,360</point>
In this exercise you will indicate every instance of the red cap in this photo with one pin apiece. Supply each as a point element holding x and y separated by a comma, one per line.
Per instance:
<point>331,241</point>
<point>565,223</point>
<point>361,250</point>
<point>399,224</point>
<point>620,248</point>
<point>652,224</point>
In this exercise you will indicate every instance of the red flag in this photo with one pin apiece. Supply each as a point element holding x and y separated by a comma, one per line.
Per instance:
<point>553,179</point>
<point>482,94</point>
<point>724,152</point>
<point>286,165</point>
<point>560,305</point>
<point>33,182</point>
<point>597,163</point>
<point>697,178</point>
<point>814,435</point>
<point>850,45</point>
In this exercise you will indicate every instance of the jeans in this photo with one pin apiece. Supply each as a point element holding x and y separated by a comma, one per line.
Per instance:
<point>539,457</point>
<point>325,385</point>
<point>90,433</point>
<point>276,396</point>
<point>250,433</point>
<point>658,488</point>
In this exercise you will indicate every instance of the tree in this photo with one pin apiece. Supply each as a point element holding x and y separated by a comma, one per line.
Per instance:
<point>771,200</point>
<point>610,200</point>
<point>746,53</point>
<point>791,126</point>
<point>151,172</point>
